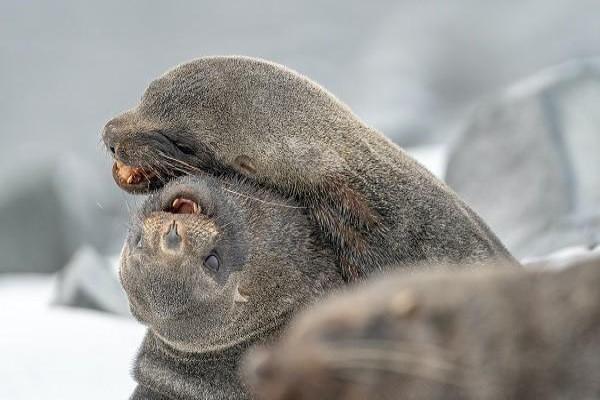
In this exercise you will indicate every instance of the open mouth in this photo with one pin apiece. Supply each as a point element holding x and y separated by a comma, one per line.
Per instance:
<point>135,179</point>
<point>183,205</point>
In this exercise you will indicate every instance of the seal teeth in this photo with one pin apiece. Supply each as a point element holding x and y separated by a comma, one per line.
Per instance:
<point>130,175</point>
<point>184,206</point>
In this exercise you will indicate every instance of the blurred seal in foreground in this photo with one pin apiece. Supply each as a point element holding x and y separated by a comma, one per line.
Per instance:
<point>375,205</point>
<point>485,335</point>
<point>212,266</point>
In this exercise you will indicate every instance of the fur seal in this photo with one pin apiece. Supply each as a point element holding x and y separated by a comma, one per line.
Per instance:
<point>233,115</point>
<point>484,335</point>
<point>212,266</point>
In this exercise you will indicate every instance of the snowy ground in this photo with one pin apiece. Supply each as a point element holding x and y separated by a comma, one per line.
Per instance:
<point>59,353</point>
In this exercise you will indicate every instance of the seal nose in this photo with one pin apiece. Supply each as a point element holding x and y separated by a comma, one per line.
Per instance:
<point>171,240</point>
<point>108,135</point>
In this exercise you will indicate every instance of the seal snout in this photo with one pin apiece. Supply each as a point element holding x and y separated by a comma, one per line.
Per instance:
<point>172,240</point>
<point>126,175</point>
<point>132,174</point>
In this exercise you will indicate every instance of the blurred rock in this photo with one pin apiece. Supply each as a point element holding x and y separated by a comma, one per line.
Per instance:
<point>89,281</point>
<point>50,206</point>
<point>528,161</point>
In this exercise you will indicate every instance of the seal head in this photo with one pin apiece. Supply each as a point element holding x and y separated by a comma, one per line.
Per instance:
<point>210,264</point>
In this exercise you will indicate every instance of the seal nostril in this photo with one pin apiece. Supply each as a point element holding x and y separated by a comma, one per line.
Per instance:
<point>172,238</point>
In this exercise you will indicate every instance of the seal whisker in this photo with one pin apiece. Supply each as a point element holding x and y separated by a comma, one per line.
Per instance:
<point>262,201</point>
<point>176,168</point>
<point>183,163</point>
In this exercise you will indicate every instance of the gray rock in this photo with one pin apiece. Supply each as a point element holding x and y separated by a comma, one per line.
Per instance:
<point>527,161</point>
<point>89,281</point>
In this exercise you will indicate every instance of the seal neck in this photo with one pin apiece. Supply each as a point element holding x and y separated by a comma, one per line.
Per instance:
<point>166,371</point>
<point>156,344</point>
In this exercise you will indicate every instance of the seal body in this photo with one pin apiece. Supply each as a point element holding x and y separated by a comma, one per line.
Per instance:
<point>485,335</point>
<point>212,266</point>
<point>241,116</point>
<point>163,373</point>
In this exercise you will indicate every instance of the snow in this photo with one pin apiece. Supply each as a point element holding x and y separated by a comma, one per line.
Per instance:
<point>60,353</point>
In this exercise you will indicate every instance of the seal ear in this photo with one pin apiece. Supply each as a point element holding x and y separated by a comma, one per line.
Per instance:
<point>245,164</point>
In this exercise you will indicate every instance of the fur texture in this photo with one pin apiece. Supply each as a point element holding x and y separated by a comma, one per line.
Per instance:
<point>241,116</point>
<point>480,335</point>
<point>202,315</point>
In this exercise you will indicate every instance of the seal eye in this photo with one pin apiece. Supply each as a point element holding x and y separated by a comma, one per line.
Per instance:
<point>212,262</point>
